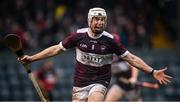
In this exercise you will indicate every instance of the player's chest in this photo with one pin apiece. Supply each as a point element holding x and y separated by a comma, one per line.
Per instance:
<point>96,46</point>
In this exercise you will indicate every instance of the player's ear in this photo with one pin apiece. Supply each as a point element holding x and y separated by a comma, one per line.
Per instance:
<point>105,24</point>
<point>106,21</point>
<point>89,22</point>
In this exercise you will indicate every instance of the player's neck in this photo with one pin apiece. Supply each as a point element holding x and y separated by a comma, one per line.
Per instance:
<point>93,35</point>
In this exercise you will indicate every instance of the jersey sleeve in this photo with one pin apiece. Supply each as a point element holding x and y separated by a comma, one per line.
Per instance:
<point>119,49</point>
<point>69,42</point>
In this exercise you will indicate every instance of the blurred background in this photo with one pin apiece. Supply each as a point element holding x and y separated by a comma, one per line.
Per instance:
<point>148,28</point>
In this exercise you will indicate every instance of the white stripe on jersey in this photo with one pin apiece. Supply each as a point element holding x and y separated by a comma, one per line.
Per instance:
<point>61,46</point>
<point>108,34</point>
<point>124,54</point>
<point>82,30</point>
<point>91,59</point>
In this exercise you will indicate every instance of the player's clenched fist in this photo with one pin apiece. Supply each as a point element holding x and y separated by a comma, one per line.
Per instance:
<point>25,59</point>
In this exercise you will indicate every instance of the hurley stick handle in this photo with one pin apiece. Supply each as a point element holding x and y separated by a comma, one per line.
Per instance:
<point>43,96</point>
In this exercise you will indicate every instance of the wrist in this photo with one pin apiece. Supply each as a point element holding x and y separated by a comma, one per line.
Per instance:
<point>31,58</point>
<point>152,72</point>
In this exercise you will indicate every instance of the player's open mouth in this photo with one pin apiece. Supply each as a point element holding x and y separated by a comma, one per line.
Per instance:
<point>98,28</point>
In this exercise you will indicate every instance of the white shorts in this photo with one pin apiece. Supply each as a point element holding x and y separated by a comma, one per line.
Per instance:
<point>82,93</point>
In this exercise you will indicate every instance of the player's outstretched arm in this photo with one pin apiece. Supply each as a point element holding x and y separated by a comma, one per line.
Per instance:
<point>140,64</point>
<point>48,52</point>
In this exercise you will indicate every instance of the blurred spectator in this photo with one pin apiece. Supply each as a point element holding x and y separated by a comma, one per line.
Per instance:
<point>143,39</point>
<point>47,78</point>
<point>122,70</point>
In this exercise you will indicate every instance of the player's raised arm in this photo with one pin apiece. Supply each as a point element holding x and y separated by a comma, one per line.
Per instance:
<point>140,64</point>
<point>48,52</point>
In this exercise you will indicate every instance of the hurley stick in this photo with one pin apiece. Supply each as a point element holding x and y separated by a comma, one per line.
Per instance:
<point>13,42</point>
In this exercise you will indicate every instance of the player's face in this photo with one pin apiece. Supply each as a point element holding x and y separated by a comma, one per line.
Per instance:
<point>97,24</point>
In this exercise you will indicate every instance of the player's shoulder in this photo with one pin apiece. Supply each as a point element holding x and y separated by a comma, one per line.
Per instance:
<point>107,34</point>
<point>79,32</point>
<point>82,30</point>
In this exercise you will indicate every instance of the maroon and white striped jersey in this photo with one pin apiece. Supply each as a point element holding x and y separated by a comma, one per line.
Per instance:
<point>93,56</point>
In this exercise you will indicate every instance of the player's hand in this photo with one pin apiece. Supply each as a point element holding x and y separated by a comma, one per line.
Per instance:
<point>25,59</point>
<point>161,76</point>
